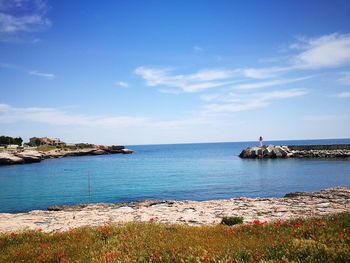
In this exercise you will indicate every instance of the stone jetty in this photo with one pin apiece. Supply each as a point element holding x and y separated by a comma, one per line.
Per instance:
<point>32,155</point>
<point>297,151</point>
<point>293,205</point>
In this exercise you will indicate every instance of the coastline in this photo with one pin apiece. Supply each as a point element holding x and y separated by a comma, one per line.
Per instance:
<point>25,156</point>
<point>293,205</point>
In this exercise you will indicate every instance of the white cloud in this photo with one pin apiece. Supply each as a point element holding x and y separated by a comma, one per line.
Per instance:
<point>195,82</point>
<point>263,73</point>
<point>197,49</point>
<point>244,102</point>
<point>22,16</point>
<point>30,23</point>
<point>41,74</point>
<point>54,116</point>
<point>121,84</point>
<point>342,95</point>
<point>269,83</point>
<point>323,52</point>
<point>345,78</point>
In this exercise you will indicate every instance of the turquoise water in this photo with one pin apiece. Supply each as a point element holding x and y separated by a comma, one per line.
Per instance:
<point>182,171</point>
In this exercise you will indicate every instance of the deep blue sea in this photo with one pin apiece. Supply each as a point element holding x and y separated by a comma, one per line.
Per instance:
<point>178,171</point>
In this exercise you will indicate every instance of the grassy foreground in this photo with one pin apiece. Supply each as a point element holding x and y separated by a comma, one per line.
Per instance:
<point>315,240</point>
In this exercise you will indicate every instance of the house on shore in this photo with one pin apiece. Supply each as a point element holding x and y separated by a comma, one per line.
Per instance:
<point>35,141</point>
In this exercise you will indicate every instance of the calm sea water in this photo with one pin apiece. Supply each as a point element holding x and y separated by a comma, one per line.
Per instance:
<point>181,171</point>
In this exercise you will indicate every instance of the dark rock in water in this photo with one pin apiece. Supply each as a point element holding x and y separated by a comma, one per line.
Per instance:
<point>294,194</point>
<point>66,207</point>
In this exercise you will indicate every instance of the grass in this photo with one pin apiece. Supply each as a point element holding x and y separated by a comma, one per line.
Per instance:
<point>324,239</point>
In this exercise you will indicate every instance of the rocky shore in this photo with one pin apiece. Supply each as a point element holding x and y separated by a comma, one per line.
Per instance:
<point>300,204</point>
<point>298,151</point>
<point>32,156</point>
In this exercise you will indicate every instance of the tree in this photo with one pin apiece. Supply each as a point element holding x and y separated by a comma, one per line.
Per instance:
<point>7,140</point>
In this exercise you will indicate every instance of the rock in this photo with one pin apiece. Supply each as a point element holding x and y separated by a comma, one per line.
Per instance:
<point>8,158</point>
<point>296,152</point>
<point>98,152</point>
<point>127,151</point>
<point>293,194</point>
<point>30,156</point>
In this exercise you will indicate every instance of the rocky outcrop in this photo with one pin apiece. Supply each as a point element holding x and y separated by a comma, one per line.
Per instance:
<point>8,158</point>
<point>271,151</point>
<point>60,218</point>
<point>33,156</point>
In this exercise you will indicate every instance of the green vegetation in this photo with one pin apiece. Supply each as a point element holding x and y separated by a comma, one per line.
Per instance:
<point>7,140</point>
<point>33,142</point>
<point>46,148</point>
<point>64,147</point>
<point>232,220</point>
<point>315,240</point>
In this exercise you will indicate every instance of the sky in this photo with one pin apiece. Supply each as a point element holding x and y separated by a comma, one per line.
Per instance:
<point>153,72</point>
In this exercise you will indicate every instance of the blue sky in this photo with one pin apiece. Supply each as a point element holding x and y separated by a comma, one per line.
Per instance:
<point>144,72</point>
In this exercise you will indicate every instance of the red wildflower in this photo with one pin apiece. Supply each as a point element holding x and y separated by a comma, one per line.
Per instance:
<point>13,235</point>
<point>341,235</point>
<point>206,258</point>
<point>298,223</point>
<point>61,256</point>
<point>18,253</point>
<point>173,249</point>
<point>278,222</point>
<point>154,256</point>
<point>40,229</point>
<point>111,255</point>
<point>259,223</point>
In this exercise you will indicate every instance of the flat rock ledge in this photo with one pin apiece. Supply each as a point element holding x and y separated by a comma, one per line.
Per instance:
<point>297,151</point>
<point>300,204</point>
<point>34,156</point>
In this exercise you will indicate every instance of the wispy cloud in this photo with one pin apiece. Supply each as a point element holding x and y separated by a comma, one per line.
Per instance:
<point>55,116</point>
<point>195,82</point>
<point>243,102</point>
<point>22,16</point>
<point>343,95</point>
<point>41,74</point>
<point>345,78</point>
<point>323,52</point>
<point>270,83</point>
<point>24,70</point>
<point>197,49</point>
<point>121,84</point>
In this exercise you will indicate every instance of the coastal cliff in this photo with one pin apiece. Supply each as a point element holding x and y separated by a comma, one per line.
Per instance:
<point>297,151</point>
<point>22,156</point>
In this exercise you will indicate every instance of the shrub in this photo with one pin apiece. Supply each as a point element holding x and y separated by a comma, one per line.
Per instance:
<point>232,220</point>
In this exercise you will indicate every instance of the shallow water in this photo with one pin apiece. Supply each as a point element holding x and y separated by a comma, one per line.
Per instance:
<point>180,171</point>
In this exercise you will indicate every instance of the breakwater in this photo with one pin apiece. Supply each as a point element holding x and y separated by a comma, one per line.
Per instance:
<point>323,147</point>
<point>297,151</point>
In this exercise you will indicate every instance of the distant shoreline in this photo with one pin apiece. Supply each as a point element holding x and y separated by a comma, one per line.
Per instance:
<point>25,156</point>
<point>293,205</point>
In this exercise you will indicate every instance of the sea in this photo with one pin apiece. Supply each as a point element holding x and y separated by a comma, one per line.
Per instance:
<point>202,171</point>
